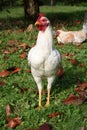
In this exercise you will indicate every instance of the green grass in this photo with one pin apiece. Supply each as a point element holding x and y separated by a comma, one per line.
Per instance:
<point>24,103</point>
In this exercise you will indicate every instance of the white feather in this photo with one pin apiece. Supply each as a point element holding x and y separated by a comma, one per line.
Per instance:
<point>43,58</point>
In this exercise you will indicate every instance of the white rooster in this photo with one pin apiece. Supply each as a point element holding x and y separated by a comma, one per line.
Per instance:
<point>43,58</point>
<point>75,37</point>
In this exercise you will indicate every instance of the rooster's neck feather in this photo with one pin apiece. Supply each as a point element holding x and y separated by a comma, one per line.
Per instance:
<point>45,39</point>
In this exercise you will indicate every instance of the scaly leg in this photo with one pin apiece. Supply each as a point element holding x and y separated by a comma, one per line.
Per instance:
<point>50,81</point>
<point>39,84</point>
<point>48,98</point>
<point>40,92</point>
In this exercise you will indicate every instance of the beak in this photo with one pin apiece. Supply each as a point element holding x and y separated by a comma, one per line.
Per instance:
<point>37,23</point>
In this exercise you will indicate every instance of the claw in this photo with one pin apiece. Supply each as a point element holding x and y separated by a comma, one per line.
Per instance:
<point>48,99</point>
<point>39,107</point>
<point>47,104</point>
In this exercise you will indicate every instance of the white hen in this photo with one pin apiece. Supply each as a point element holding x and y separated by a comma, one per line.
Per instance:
<point>75,37</point>
<point>43,58</point>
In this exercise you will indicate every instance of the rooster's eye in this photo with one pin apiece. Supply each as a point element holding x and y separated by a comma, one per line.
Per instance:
<point>44,20</point>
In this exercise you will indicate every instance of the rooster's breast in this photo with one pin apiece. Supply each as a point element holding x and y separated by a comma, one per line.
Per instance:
<point>52,63</point>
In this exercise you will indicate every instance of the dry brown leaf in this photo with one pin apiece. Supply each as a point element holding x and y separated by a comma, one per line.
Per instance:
<point>55,114</point>
<point>6,51</point>
<point>15,70</point>
<point>13,122</point>
<point>2,83</point>
<point>60,72</point>
<point>81,65</point>
<point>68,55</point>
<point>29,129</point>
<point>9,71</point>
<point>12,41</point>
<point>78,21</point>
<point>81,86</point>
<point>29,28</point>
<point>4,73</point>
<point>73,61</point>
<point>82,92</point>
<point>23,45</point>
<point>28,71</point>
<point>45,126</point>
<point>72,99</point>
<point>23,55</point>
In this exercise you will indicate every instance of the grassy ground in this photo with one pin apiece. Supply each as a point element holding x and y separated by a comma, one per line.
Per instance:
<point>19,89</point>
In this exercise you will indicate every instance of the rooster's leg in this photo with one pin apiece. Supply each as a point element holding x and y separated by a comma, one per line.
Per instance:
<point>40,92</point>
<point>50,81</point>
<point>39,84</point>
<point>48,98</point>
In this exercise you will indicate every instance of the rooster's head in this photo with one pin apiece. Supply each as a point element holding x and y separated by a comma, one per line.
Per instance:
<point>42,22</point>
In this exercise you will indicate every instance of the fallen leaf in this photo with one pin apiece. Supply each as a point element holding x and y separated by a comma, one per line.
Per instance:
<point>68,55</point>
<point>8,30</point>
<point>28,71</point>
<point>12,41</point>
<point>72,99</point>
<point>18,31</point>
<point>73,61</point>
<point>78,21</point>
<point>55,114</point>
<point>12,50</point>
<point>4,73</point>
<point>29,28</point>
<point>2,83</point>
<point>60,72</point>
<point>23,45</point>
<point>6,51</point>
<point>81,86</point>
<point>82,92</point>
<point>15,70</point>
<point>9,71</point>
<point>29,129</point>
<point>81,65</point>
<point>13,122</point>
<point>8,110</point>
<point>45,126</point>
<point>23,55</point>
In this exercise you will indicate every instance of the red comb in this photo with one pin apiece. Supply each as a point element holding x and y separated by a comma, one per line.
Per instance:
<point>41,15</point>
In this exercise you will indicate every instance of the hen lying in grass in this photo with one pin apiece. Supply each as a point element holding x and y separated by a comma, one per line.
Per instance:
<point>75,37</point>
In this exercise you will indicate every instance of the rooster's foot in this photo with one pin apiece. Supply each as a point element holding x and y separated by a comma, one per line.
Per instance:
<point>39,107</point>
<point>47,104</point>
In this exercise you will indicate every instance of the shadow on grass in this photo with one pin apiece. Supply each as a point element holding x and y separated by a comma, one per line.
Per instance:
<point>57,19</point>
<point>67,18</point>
<point>69,79</point>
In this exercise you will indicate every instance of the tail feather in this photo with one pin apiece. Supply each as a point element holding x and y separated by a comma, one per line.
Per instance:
<point>85,18</point>
<point>85,23</point>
